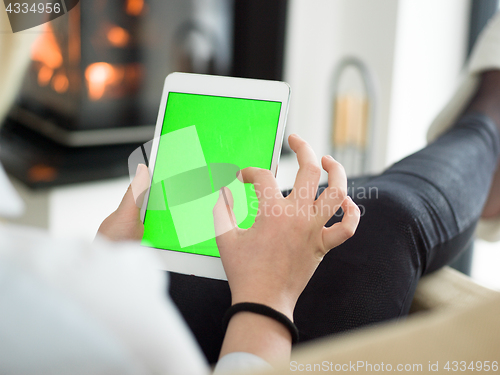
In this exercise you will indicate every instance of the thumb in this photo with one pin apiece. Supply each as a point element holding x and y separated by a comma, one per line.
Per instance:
<point>133,198</point>
<point>125,223</point>
<point>224,219</point>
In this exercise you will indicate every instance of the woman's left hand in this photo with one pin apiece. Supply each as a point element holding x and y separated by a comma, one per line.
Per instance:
<point>125,223</point>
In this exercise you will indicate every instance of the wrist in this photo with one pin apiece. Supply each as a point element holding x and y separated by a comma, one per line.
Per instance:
<point>259,335</point>
<point>283,305</point>
<point>262,310</point>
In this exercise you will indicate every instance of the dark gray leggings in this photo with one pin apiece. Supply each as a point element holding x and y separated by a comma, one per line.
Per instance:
<point>417,217</point>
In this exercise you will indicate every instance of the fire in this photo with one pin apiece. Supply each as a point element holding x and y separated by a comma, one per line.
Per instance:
<point>118,36</point>
<point>134,7</point>
<point>99,75</point>
<point>60,83</point>
<point>45,75</point>
<point>46,49</point>
<point>42,172</point>
<point>47,53</point>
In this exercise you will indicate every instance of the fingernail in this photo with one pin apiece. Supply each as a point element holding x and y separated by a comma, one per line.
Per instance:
<point>141,169</point>
<point>140,184</point>
<point>330,157</point>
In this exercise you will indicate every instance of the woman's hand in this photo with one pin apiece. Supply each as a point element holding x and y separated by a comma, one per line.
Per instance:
<point>125,224</point>
<point>272,262</point>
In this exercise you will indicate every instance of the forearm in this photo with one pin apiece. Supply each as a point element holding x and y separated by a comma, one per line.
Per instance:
<point>257,334</point>
<point>271,263</point>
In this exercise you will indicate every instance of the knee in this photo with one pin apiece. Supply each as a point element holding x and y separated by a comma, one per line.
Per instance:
<point>392,203</point>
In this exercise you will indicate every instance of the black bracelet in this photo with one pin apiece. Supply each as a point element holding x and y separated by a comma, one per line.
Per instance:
<point>257,308</point>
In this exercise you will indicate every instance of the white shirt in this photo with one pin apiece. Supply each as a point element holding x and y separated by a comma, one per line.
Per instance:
<point>70,307</point>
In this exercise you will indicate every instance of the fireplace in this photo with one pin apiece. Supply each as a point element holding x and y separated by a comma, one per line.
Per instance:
<point>95,80</point>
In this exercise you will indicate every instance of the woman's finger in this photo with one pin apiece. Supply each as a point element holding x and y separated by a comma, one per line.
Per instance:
<point>134,196</point>
<point>307,180</point>
<point>332,197</point>
<point>140,184</point>
<point>263,181</point>
<point>338,233</point>
<point>224,219</point>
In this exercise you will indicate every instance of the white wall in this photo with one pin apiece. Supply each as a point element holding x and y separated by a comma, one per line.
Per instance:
<point>320,33</point>
<point>430,51</point>
<point>312,46</point>
<point>414,49</point>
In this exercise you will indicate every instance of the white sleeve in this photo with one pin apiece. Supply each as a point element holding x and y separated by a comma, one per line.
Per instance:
<point>240,361</point>
<point>119,286</point>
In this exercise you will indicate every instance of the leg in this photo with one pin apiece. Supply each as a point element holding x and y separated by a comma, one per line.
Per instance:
<point>486,101</point>
<point>425,213</point>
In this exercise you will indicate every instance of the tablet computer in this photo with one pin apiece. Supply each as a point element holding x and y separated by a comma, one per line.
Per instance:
<point>208,128</point>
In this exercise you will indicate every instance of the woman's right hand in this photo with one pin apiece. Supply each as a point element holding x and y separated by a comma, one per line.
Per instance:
<point>272,262</point>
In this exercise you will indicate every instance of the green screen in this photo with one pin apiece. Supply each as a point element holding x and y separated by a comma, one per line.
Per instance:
<point>204,141</point>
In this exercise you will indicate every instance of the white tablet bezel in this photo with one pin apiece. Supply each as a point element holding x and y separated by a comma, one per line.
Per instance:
<point>202,265</point>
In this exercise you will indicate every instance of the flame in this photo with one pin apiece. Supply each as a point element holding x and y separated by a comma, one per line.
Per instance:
<point>112,80</point>
<point>118,36</point>
<point>99,75</point>
<point>42,172</point>
<point>60,83</point>
<point>134,7</point>
<point>45,75</point>
<point>74,42</point>
<point>47,52</point>
<point>46,49</point>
